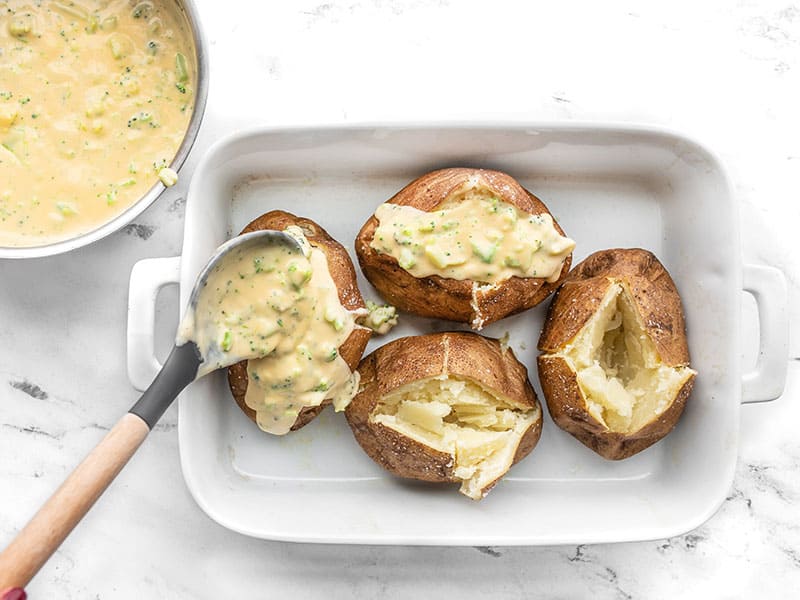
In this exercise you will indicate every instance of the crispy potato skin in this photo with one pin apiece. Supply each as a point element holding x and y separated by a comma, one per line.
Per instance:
<point>462,354</point>
<point>659,305</point>
<point>444,298</point>
<point>343,273</point>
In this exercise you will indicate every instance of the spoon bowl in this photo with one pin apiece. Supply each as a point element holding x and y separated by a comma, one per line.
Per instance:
<point>188,361</point>
<point>215,357</point>
<point>262,238</point>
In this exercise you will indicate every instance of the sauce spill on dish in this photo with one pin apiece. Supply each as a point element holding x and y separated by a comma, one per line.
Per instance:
<point>95,99</point>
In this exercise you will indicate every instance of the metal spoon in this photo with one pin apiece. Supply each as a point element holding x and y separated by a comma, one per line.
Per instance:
<point>50,526</point>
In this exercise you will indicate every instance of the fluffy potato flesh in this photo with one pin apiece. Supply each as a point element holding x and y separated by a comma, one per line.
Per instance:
<point>625,383</point>
<point>480,430</point>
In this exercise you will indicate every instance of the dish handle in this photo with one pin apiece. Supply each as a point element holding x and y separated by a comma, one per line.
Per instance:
<point>148,276</point>
<point>768,378</point>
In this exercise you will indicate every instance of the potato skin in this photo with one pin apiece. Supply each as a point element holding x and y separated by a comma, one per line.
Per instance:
<point>451,299</point>
<point>463,354</point>
<point>659,305</point>
<point>343,274</point>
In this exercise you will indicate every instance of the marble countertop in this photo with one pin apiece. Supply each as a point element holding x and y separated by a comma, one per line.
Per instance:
<point>726,73</point>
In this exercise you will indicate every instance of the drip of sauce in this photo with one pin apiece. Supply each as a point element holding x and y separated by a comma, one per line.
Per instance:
<point>284,306</point>
<point>95,99</point>
<point>475,236</point>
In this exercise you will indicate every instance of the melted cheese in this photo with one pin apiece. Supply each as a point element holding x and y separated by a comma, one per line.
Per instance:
<point>95,98</point>
<point>473,235</point>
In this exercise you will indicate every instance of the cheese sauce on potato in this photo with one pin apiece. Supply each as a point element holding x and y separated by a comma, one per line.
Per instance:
<point>95,99</point>
<point>474,236</point>
<point>282,305</point>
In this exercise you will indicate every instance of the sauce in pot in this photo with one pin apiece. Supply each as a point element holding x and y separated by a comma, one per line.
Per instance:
<point>95,99</point>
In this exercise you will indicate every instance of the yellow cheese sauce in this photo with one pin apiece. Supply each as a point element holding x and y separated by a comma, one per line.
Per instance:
<point>475,236</point>
<point>283,306</point>
<point>95,98</point>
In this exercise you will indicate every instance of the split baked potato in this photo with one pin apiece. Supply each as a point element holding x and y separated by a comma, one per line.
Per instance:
<point>615,365</point>
<point>343,274</point>
<point>446,407</point>
<point>476,269</point>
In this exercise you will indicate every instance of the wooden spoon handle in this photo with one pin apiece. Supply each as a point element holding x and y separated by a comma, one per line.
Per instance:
<point>43,534</point>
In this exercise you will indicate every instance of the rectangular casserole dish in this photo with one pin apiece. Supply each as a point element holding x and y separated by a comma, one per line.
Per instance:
<point>608,186</point>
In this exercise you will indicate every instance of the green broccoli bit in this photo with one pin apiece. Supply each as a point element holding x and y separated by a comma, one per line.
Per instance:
<point>322,386</point>
<point>404,237</point>
<point>66,209</point>
<point>181,69</point>
<point>227,341</point>
<point>407,259</point>
<point>485,251</point>
<point>298,277</point>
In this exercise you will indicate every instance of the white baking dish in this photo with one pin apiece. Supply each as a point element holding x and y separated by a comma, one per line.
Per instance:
<point>609,186</point>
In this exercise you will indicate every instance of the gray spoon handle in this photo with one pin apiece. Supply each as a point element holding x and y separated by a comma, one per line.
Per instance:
<point>179,370</point>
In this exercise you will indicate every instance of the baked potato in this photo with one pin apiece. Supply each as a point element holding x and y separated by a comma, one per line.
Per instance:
<point>615,365</point>
<point>446,407</point>
<point>466,245</point>
<point>343,275</point>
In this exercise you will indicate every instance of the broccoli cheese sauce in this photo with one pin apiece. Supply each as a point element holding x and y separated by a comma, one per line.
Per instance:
<point>95,98</point>
<point>281,305</point>
<point>477,237</point>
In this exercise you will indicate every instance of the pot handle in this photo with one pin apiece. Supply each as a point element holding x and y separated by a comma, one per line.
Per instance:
<point>768,378</point>
<point>148,276</point>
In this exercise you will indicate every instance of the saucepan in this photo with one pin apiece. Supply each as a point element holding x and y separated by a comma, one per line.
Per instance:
<point>186,9</point>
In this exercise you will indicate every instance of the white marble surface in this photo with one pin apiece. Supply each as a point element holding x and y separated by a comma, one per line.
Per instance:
<point>726,73</point>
